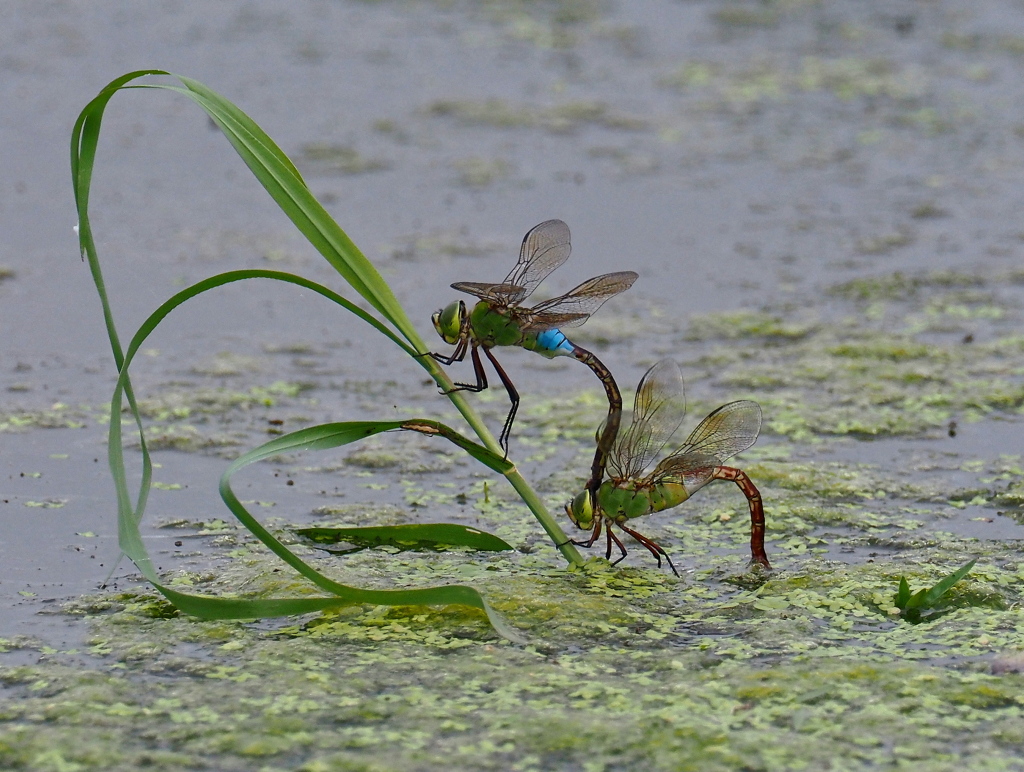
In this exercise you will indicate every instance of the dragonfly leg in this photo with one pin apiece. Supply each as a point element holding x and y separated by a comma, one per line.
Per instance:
<point>595,533</point>
<point>652,546</point>
<point>478,371</point>
<point>611,424</point>
<point>757,551</point>
<point>608,553</point>
<point>456,356</point>
<point>513,395</point>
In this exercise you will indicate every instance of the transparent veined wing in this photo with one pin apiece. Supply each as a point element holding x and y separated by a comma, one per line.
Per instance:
<point>691,469</point>
<point>499,294</point>
<point>575,306</point>
<point>658,410</point>
<point>545,247</point>
<point>531,322</point>
<point>729,430</point>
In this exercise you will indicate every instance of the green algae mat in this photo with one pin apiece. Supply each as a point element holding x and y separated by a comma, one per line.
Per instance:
<point>812,666</point>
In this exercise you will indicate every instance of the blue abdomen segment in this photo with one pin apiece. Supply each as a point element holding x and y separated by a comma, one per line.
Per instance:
<point>552,343</point>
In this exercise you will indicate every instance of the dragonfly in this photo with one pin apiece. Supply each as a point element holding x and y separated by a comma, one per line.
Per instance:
<point>499,319</point>
<point>658,411</point>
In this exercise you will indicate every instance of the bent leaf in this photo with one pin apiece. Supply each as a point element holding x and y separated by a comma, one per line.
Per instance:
<point>323,437</point>
<point>911,605</point>
<point>411,536</point>
<point>281,179</point>
<point>485,456</point>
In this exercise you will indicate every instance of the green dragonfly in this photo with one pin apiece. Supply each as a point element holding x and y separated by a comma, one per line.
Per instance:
<point>657,413</point>
<point>498,319</point>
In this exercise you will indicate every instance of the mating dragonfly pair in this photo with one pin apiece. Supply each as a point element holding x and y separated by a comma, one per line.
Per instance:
<point>499,319</point>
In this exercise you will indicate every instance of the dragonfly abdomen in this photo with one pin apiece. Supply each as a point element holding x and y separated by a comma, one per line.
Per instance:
<point>668,495</point>
<point>550,343</point>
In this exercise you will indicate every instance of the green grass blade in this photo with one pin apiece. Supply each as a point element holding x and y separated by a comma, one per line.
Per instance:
<point>229,277</point>
<point>409,536</point>
<point>284,183</point>
<point>278,175</point>
<point>944,586</point>
<point>206,607</point>
<point>84,141</point>
<point>272,168</point>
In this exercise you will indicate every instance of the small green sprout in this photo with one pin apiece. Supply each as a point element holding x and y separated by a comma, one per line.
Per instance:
<point>911,605</point>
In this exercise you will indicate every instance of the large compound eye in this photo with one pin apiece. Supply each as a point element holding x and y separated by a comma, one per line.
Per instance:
<point>580,510</point>
<point>448,321</point>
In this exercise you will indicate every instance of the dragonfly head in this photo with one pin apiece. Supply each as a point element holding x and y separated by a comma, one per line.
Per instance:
<point>581,511</point>
<point>449,320</point>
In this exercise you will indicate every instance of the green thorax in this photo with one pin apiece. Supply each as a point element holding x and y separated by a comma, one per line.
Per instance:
<point>494,327</point>
<point>623,500</point>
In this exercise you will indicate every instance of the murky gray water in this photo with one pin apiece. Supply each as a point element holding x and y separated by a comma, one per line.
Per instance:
<point>733,161</point>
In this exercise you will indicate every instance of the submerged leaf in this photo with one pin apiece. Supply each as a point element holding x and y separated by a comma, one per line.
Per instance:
<point>413,536</point>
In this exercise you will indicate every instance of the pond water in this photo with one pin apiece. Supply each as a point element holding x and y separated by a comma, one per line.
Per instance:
<point>822,201</point>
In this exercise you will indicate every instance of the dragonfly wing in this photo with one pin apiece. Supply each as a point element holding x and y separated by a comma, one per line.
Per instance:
<point>545,247</point>
<point>529,321</point>
<point>499,294</point>
<point>658,410</point>
<point>729,430</point>
<point>585,299</point>
<point>692,470</point>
